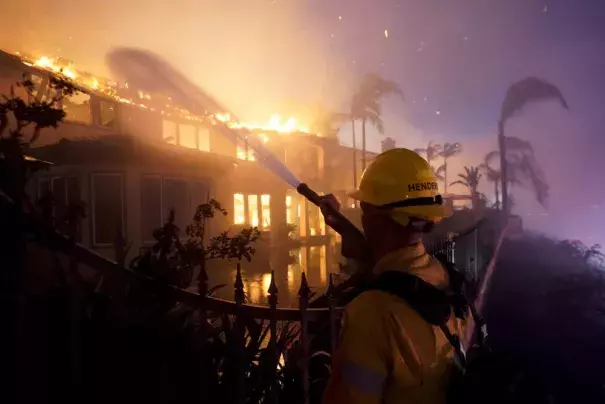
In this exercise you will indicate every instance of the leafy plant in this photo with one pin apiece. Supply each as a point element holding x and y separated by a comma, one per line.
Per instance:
<point>173,261</point>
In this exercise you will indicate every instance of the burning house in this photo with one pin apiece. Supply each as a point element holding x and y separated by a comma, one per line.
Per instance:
<point>131,157</point>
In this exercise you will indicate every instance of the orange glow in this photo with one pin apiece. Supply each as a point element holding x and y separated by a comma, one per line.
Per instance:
<point>253,210</point>
<point>265,203</point>
<point>266,283</point>
<point>108,88</point>
<point>289,212</point>
<point>274,124</point>
<point>239,209</point>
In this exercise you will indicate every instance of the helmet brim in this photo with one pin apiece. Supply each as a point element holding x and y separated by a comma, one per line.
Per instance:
<point>433,213</point>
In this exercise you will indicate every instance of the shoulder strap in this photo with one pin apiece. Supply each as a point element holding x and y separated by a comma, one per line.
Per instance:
<point>433,305</point>
<point>429,302</point>
<point>458,282</point>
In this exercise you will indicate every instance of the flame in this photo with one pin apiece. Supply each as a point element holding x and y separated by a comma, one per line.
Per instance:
<point>274,124</point>
<point>50,64</point>
<point>87,81</point>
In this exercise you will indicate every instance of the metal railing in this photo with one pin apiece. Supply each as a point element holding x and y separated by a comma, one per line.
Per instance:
<point>309,320</point>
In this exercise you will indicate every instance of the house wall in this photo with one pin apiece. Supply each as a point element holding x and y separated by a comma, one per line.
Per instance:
<point>307,156</point>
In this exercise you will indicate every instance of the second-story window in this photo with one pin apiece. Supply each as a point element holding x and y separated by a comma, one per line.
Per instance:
<point>244,152</point>
<point>77,108</point>
<point>169,131</point>
<point>187,136</point>
<point>203,139</point>
<point>107,116</point>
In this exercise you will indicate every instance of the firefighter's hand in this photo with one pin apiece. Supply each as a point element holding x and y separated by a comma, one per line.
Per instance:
<point>329,204</point>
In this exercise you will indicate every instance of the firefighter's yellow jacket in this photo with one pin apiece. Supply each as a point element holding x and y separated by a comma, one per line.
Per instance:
<point>387,352</point>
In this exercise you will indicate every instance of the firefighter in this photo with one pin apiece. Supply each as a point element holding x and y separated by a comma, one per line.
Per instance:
<point>387,352</point>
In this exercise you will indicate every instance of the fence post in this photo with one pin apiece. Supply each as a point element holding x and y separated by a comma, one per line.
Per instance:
<point>76,307</point>
<point>240,366</point>
<point>206,367</point>
<point>332,314</point>
<point>273,338</point>
<point>303,302</point>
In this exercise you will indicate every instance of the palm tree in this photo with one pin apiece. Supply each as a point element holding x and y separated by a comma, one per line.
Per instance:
<point>470,179</point>
<point>449,150</point>
<point>492,174</point>
<point>432,151</point>
<point>523,170</point>
<point>365,105</point>
<point>517,96</point>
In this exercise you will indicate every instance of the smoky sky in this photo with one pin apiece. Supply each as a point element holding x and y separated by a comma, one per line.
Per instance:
<point>453,59</point>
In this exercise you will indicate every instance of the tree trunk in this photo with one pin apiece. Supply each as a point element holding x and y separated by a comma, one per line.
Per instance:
<point>445,175</point>
<point>503,167</point>
<point>354,155</point>
<point>497,193</point>
<point>363,144</point>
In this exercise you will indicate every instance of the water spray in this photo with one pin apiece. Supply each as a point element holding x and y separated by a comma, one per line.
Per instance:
<point>149,72</point>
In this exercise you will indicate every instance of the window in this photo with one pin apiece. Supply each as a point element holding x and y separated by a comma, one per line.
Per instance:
<point>169,131</point>
<point>253,210</point>
<point>174,196</point>
<point>289,210</point>
<point>265,206</point>
<point>77,108</point>
<point>244,152</point>
<point>203,139</point>
<point>107,114</point>
<point>239,209</point>
<point>187,136</point>
<point>107,208</point>
<point>317,226</point>
<point>65,191</point>
<point>151,206</point>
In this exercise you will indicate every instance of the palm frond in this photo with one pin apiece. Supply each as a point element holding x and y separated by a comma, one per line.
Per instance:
<point>491,156</point>
<point>528,90</point>
<point>459,182</point>
<point>516,144</point>
<point>450,150</point>
<point>439,172</point>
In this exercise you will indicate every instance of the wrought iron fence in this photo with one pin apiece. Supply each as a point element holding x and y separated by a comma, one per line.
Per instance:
<point>308,322</point>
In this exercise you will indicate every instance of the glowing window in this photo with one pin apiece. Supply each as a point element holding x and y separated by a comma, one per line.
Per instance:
<point>107,114</point>
<point>203,139</point>
<point>244,152</point>
<point>253,210</point>
<point>169,131</point>
<point>77,108</point>
<point>239,209</point>
<point>289,211</point>
<point>265,204</point>
<point>322,223</point>
<point>187,136</point>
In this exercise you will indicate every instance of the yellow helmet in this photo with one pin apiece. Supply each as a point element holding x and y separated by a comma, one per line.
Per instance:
<point>404,183</point>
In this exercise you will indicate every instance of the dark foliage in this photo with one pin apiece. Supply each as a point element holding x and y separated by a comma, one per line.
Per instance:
<point>546,315</point>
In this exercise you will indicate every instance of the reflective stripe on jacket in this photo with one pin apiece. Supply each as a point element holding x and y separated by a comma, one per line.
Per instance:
<point>387,352</point>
